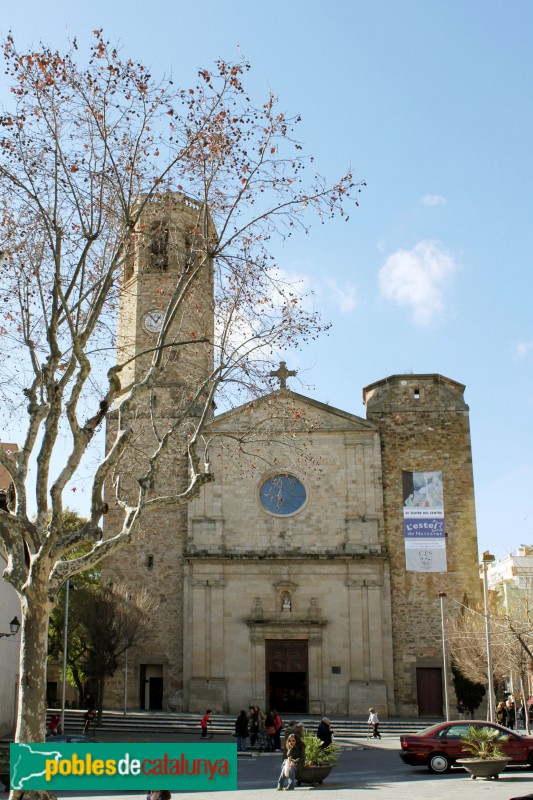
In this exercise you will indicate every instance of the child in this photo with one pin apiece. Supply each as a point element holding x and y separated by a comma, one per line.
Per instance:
<point>55,726</point>
<point>205,722</point>
<point>373,720</point>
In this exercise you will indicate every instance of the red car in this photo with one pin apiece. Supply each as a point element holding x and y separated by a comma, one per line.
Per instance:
<point>440,746</point>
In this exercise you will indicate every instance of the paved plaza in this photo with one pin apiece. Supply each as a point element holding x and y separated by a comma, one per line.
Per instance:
<point>367,770</point>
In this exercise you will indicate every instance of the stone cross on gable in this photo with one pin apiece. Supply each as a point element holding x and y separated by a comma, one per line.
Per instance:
<point>282,373</point>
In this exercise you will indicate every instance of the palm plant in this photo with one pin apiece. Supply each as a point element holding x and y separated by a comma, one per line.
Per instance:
<point>316,755</point>
<point>484,743</point>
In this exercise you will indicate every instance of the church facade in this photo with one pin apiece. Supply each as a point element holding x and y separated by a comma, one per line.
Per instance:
<point>307,576</point>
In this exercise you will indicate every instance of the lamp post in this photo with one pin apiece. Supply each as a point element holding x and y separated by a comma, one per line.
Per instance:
<point>126,658</point>
<point>65,645</point>
<point>442,595</point>
<point>486,559</point>
<point>14,627</point>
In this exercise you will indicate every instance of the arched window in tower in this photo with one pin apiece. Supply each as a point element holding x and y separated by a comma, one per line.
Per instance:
<point>159,247</point>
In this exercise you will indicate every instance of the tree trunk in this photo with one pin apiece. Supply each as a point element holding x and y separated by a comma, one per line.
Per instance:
<point>31,718</point>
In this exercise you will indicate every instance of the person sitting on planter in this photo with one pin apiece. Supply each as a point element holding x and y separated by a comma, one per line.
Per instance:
<point>293,757</point>
<point>324,732</point>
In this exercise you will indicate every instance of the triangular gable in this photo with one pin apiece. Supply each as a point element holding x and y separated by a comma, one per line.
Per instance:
<point>284,406</point>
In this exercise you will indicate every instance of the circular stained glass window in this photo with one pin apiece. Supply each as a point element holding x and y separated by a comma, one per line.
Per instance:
<point>282,495</point>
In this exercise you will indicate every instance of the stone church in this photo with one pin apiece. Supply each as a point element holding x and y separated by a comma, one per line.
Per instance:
<point>307,576</point>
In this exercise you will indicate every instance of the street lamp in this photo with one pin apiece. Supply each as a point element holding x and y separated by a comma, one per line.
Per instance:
<point>65,648</point>
<point>127,597</point>
<point>442,595</point>
<point>14,627</point>
<point>486,559</point>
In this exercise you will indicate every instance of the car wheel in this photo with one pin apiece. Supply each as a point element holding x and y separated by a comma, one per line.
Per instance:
<point>530,759</point>
<point>438,762</point>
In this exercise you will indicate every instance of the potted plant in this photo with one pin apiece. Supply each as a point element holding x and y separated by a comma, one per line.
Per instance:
<point>319,760</point>
<point>487,759</point>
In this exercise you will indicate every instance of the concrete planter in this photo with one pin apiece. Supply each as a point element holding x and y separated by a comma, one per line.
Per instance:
<point>313,775</point>
<point>487,768</point>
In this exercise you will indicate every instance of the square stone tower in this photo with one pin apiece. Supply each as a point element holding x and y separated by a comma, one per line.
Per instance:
<point>424,428</point>
<point>167,267</point>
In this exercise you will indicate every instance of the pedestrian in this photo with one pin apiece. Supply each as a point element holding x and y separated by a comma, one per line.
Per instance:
<point>461,709</point>
<point>278,723</point>
<point>374,722</point>
<point>54,726</point>
<point>262,738</point>
<point>293,757</point>
<point>206,720</point>
<point>324,732</point>
<point>511,715</point>
<point>255,721</point>
<point>89,720</point>
<point>241,732</point>
<point>293,728</point>
<point>159,794</point>
<point>270,730</point>
<point>501,713</point>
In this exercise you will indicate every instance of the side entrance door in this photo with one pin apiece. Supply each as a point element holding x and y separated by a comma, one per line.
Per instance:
<point>287,675</point>
<point>429,691</point>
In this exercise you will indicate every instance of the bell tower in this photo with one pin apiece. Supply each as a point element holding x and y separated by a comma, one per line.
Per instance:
<point>167,280</point>
<point>167,262</point>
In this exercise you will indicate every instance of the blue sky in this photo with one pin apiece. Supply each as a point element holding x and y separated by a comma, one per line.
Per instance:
<point>430,102</point>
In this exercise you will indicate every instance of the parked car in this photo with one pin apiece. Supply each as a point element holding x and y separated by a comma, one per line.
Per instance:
<point>72,737</point>
<point>439,746</point>
<point>4,762</point>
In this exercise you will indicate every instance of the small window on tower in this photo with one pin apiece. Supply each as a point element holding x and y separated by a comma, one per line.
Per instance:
<point>416,394</point>
<point>150,562</point>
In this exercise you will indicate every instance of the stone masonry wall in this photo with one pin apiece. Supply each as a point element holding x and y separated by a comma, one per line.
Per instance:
<point>424,426</point>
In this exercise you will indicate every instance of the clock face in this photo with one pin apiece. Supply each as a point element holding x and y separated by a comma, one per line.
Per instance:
<point>153,320</point>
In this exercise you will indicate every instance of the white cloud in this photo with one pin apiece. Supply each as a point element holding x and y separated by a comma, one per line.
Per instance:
<point>417,279</point>
<point>344,297</point>
<point>433,200</point>
<point>522,349</point>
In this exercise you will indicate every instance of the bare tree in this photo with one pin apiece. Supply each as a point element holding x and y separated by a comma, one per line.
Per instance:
<point>511,638</point>
<point>468,647</point>
<point>87,150</point>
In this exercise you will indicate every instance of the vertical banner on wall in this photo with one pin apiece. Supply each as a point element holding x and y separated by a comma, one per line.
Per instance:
<point>423,522</point>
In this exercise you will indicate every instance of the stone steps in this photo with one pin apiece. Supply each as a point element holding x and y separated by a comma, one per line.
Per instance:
<point>223,724</point>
